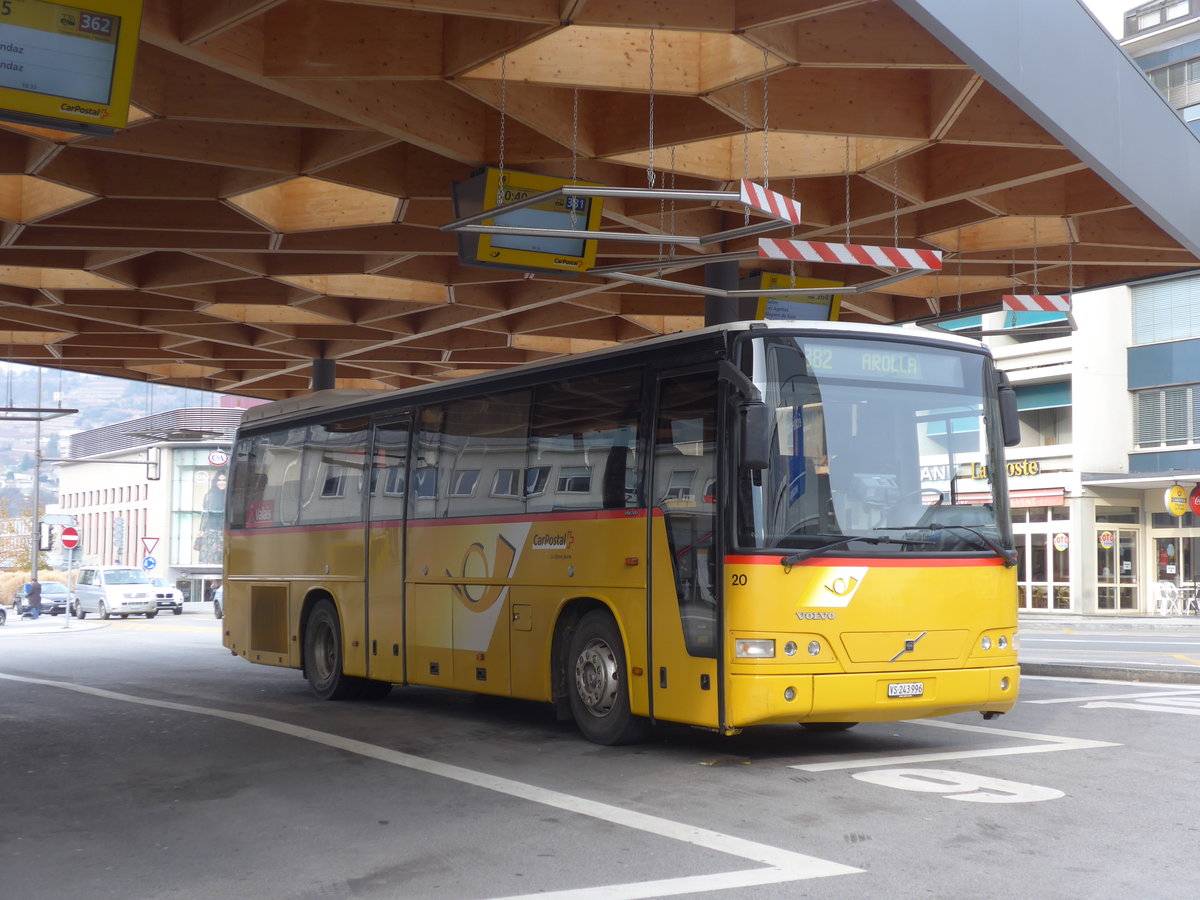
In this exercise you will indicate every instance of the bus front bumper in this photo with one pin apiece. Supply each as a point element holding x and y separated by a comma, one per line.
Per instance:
<point>869,697</point>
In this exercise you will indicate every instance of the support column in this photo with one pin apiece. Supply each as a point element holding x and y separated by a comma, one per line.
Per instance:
<point>719,310</point>
<point>323,374</point>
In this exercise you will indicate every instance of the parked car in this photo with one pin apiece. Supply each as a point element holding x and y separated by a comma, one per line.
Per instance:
<point>167,595</point>
<point>55,598</point>
<point>114,590</point>
<point>218,602</point>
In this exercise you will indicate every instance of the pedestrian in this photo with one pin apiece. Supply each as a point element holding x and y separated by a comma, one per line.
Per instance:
<point>33,599</point>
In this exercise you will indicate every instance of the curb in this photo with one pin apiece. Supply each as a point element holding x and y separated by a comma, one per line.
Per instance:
<point>1113,673</point>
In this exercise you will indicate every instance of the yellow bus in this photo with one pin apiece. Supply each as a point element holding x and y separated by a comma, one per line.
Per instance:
<point>751,523</point>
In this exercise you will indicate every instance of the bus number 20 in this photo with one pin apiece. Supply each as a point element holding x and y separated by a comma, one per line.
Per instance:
<point>738,579</point>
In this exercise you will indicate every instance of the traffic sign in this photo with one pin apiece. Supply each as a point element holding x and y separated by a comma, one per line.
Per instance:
<point>149,563</point>
<point>69,538</point>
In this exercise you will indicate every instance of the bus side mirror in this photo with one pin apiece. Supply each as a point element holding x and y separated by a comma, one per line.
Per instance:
<point>1010,422</point>
<point>754,427</point>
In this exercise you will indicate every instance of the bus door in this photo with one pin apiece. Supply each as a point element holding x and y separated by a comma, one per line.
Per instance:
<point>685,591</point>
<point>386,495</point>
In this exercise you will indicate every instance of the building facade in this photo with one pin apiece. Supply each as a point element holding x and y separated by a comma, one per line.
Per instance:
<point>150,493</point>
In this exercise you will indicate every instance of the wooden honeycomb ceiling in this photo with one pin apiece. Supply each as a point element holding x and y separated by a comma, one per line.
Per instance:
<point>278,195</point>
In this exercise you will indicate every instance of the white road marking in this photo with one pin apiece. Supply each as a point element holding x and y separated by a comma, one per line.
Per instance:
<point>1138,696</point>
<point>782,865</point>
<point>965,786</point>
<point>1047,743</point>
<point>1144,707</point>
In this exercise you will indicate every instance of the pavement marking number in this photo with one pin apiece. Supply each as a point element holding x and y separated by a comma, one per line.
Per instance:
<point>964,786</point>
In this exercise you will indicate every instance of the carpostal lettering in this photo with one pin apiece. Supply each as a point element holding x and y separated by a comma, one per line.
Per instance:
<point>567,261</point>
<point>93,111</point>
<point>560,541</point>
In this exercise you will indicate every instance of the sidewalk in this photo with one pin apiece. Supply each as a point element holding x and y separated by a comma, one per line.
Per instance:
<point>1058,621</point>
<point>1125,624</point>
<point>48,624</point>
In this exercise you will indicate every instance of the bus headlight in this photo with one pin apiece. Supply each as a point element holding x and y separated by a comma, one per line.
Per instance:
<point>986,643</point>
<point>814,648</point>
<point>789,649</point>
<point>745,648</point>
<point>1002,643</point>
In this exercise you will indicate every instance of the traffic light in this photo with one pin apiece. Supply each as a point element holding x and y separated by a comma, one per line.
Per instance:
<point>46,537</point>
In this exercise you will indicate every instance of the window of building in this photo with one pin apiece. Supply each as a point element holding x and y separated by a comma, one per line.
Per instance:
<point>574,480</point>
<point>1167,310</point>
<point>463,482</point>
<point>1045,414</point>
<point>1176,10</point>
<point>1167,417</point>
<point>1149,19</point>
<point>507,483</point>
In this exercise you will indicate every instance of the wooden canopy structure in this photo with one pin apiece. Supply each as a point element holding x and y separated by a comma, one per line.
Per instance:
<point>278,196</point>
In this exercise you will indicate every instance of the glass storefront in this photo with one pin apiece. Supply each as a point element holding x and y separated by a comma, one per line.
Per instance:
<point>198,510</point>
<point>1118,583</point>
<point>1043,540</point>
<point>1176,553</point>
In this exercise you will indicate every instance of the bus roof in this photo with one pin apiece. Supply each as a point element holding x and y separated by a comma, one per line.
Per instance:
<point>339,397</point>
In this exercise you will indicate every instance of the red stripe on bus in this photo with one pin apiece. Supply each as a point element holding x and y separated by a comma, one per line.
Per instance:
<point>581,515</point>
<point>872,562</point>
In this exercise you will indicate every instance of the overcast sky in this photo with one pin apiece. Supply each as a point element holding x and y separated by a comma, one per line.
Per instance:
<point>1110,12</point>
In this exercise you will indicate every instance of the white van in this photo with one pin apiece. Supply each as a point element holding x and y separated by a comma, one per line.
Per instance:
<point>113,591</point>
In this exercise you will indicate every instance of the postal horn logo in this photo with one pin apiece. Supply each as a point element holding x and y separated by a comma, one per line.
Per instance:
<point>836,589</point>
<point>475,567</point>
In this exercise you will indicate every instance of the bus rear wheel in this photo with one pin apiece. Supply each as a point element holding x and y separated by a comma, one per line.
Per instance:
<point>598,688</point>
<point>323,660</point>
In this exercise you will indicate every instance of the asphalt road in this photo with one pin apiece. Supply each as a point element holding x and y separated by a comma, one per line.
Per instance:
<point>141,760</point>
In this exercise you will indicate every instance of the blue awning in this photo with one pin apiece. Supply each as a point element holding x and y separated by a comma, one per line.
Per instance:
<point>1043,396</point>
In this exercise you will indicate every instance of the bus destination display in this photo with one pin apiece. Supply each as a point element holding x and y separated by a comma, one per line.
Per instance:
<point>59,50</point>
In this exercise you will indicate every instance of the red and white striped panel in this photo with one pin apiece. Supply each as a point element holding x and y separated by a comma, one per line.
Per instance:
<point>771,203</point>
<point>1037,302</point>
<point>849,254</point>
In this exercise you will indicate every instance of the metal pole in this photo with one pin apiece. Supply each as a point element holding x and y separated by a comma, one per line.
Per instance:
<point>36,537</point>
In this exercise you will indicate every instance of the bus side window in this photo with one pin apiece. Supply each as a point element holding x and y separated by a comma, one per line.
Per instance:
<point>585,431</point>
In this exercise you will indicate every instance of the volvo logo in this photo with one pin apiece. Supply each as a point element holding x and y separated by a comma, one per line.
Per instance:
<point>909,646</point>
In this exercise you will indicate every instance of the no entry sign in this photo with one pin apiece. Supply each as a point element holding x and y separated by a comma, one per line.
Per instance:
<point>69,538</point>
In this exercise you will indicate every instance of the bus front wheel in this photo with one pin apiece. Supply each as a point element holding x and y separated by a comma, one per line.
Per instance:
<point>598,687</point>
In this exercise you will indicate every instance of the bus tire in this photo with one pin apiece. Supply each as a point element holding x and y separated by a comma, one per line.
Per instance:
<point>323,655</point>
<point>597,685</point>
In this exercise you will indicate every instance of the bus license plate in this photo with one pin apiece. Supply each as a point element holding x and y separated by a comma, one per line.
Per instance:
<point>906,689</point>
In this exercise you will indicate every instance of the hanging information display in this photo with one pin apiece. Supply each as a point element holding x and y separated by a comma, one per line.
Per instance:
<point>822,307</point>
<point>535,252</point>
<point>66,67</point>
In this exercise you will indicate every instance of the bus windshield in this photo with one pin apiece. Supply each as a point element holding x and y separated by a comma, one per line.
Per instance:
<point>891,441</point>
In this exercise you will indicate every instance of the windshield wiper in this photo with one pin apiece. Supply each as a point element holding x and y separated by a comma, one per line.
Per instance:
<point>1010,558</point>
<point>840,540</point>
